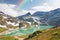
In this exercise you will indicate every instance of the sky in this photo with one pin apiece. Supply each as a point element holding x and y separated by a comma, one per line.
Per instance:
<point>21,7</point>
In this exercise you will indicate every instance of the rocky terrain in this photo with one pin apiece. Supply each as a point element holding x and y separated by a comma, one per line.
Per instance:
<point>7,22</point>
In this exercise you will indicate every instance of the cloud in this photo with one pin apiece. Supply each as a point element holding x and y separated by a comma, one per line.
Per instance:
<point>54,3</point>
<point>23,12</point>
<point>11,5</point>
<point>8,9</point>
<point>41,8</point>
<point>44,7</point>
<point>47,6</point>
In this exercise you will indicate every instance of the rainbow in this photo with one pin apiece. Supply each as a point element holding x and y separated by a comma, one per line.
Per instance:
<point>21,4</point>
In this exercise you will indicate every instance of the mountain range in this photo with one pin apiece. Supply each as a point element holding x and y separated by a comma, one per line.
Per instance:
<point>8,22</point>
<point>50,18</point>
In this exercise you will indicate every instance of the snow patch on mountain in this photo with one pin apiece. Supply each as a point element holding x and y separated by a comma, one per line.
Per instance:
<point>4,26</point>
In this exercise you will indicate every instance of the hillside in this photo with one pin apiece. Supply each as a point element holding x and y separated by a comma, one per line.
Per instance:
<point>14,26</point>
<point>8,22</point>
<point>49,34</point>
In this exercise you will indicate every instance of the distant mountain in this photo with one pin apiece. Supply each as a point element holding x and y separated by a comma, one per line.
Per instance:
<point>50,18</point>
<point>8,22</point>
<point>24,16</point>
<point>28,17</point>
<point>39,14</point>
<point>55,18</point>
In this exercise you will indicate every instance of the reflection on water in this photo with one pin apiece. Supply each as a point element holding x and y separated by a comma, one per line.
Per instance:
<point>27,31</point>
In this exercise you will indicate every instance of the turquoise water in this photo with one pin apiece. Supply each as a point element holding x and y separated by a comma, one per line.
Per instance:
<point>27,31</point>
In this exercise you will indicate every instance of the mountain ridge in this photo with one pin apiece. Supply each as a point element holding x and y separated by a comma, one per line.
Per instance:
<point>47,17</point>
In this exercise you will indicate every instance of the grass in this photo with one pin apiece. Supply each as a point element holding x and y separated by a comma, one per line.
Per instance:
<point>49,34</point>
<point>13,37</point>
<point>2,29</point>
<point>7,38</point>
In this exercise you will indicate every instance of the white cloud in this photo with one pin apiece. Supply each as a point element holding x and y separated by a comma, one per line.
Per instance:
<point>41,8</point>
<point>11,5</point>
<point>8,9</point>
<point>23,12</point>
<point>54,3</point>
<point>44,7</point>
<point>47,6</point>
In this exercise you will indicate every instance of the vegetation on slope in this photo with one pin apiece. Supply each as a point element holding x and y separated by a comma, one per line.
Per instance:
<point>49,34</point>
<point>2,29</point>
<point>7,38</point>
